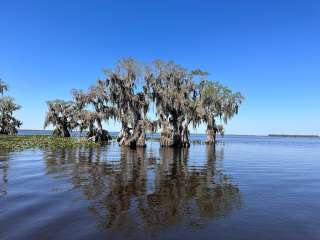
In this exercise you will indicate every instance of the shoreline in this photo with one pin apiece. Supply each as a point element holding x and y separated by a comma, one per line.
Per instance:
<point>293,136</point>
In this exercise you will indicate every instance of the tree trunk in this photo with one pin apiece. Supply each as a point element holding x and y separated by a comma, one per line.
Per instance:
<point>91,131</point>
<point>134,139</point>
<point>65,132</point>
<point>174,138</point>
<point>141,142</point>
<point>123,134</point>
<point>98,135</point>
<point>61,131</point>
<point>211,135</point>
<point>167,138</point>
<point>185,137</point>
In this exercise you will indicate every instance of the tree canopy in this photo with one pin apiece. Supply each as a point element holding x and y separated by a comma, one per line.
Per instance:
<point>8,123</point>
<point>131,105</point>
<point>171,88</point>
<point>93,107</point>
<point>217,102</point>
<point>62,115</point>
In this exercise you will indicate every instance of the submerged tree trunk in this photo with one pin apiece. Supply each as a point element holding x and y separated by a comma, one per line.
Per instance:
<point>175,138</point>
<point>123,134</point>
<point>91,131</point>
<point>61,131</point>
<point>185,137</point>
<point>141,141</point>
<point>98,135</point>
<point>211,135</point>
<point>133,138</point>
<point>166,138</point>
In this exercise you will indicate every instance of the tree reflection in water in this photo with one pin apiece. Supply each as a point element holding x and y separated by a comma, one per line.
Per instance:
<point>148,188</point>
<point>4,167</point>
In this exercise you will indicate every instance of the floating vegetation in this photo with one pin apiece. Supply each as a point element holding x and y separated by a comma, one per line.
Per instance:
<point>18,143</point>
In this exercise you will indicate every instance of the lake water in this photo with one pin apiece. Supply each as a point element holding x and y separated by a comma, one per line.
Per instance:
<point>245,188</point>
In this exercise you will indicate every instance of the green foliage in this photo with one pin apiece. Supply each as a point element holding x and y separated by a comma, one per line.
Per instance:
<point>217,102</point>
<point>8,123</point>
<point>92,108</point>
<point>131,106</point>
<point>170,86</point>
<point>62,115</point>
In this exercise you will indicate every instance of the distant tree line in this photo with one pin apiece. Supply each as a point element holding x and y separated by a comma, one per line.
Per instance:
<point>181,98</point>
<point>8,123</point>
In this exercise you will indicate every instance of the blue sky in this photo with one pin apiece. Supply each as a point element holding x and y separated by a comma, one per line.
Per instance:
<point>268,50</point>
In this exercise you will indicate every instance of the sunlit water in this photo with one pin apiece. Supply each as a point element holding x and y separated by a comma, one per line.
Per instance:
<point>245,188</point>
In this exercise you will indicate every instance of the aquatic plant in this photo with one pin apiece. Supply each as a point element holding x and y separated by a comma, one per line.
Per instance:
<point>18,143</point>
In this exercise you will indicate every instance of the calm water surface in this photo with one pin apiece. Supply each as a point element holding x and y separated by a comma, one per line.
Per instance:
<point>245,188</point>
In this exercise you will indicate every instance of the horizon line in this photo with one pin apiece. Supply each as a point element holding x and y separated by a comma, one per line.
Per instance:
<point>230,134</point>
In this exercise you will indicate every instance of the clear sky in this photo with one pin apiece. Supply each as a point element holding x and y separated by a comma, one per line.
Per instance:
<point>268,50</point>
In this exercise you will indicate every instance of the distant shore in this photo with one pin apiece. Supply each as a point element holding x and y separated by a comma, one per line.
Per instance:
<point>293,136</point>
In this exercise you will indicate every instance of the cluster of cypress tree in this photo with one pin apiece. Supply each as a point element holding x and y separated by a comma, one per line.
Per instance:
<point>181,98</point>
